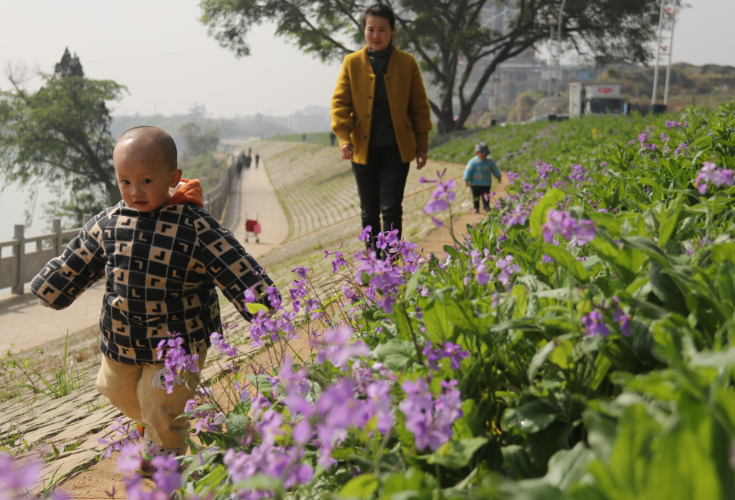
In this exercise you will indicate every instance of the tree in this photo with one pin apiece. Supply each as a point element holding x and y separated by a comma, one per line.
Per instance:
<point>446,36</point>
<point>198,141</point>
<point>60,135</point>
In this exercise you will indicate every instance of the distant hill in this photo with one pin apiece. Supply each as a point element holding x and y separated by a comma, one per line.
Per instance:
<point>231,128</point>
<point>709,85</point>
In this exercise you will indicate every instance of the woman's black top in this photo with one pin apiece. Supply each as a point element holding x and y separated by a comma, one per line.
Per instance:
<point>382,133</point>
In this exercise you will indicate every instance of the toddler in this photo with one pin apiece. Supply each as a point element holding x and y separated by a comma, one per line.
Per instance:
<point>477,176</point>
<point>162,255</point>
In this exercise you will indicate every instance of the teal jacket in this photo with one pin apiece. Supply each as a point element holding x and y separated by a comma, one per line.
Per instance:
<point>479,172</point>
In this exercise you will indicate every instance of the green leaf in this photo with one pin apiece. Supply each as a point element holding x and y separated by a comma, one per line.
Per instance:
<point>567,261</point>
<point>254,308</point>
<point>723,252</point>
<point>539,358</point>
<point>517,463</point>
<point>236,424</point>
<point>395,354</point>
<point>567,467</point>
<point>457,454</point>
<point>531,417</point>
<point>411,285</point>
<point>562,355</point>
<point>360,487</point>
<point>541,210</point>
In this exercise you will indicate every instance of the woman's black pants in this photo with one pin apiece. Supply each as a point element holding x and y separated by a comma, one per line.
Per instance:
<point>380,185</point>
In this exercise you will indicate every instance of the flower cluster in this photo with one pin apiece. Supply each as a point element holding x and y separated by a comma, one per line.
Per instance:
<point>507,269</point>
<point>449,350</point>
<point>544,169</point>
<point>561,223</point>
<point>578,173</point>
<point>177,360</point>
<point>386,275</point>
<point>714,174</point>
<point>430,420</point>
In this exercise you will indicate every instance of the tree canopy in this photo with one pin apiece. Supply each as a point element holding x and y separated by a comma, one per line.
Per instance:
<point>455,50</point>
<point>60,135</point>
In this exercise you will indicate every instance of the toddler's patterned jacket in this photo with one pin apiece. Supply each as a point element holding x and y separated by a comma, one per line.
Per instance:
<point>161,268</point>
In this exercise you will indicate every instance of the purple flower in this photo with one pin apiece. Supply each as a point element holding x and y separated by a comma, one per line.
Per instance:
<point>594,323</point>
<point>519,216</point>
<point>19,474</point>
<point>505,264</point>
<point>166,473</point>
<point>301,272</point>
<point>711,173</point>
<point>544,169</point>
<point>366,234</point>
<point>176,360</point>
<point>557,222</point>
<point>512,177</point>
<point>620,317</point>
<point>561,223</point>
<point>481,272</point>
<point>338,261</point>
<point>222,345</point>
<point>578,173</point>
<point>339,349</point>
<point>455,353</point>
<point>584,231</point>
<point>429,420</point>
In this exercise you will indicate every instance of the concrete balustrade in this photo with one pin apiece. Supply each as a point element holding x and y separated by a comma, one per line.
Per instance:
<point>18,266</point>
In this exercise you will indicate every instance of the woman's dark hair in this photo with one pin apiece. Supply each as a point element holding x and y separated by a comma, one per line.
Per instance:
<point>379,10</point>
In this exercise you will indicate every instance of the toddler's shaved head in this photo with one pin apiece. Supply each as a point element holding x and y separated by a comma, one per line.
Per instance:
<point>146,137</point>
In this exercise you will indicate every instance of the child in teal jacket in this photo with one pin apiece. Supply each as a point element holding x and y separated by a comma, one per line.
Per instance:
<point>478,176</point>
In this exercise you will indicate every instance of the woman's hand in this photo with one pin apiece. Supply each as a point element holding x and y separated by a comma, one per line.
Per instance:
<point>421,160</point>
<point>346,151</point>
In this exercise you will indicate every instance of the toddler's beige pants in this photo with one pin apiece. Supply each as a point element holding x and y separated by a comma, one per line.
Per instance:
<point>140,393</point>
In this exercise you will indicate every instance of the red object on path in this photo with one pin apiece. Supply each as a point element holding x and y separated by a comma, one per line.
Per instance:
<point>252,226</point>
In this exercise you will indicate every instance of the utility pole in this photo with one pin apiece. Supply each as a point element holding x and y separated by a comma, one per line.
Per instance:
<point>551,49</point>
<point>672,11</point>
<point>558,54</point>
<point>658,50</point>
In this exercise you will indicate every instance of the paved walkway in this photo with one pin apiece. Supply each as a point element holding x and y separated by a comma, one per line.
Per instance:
<point>24,324</point>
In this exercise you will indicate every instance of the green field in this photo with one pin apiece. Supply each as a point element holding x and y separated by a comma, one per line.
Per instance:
<point>575,344</point>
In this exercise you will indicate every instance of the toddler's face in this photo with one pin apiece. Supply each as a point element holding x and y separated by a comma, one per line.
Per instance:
<point>143,177</point>
<point>481,156</point>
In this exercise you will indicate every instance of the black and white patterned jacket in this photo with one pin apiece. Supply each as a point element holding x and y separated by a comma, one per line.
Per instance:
<point>161,268</point>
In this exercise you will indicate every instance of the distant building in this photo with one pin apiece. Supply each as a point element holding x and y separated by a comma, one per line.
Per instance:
<point>524,73</point>
<point>311,119</point>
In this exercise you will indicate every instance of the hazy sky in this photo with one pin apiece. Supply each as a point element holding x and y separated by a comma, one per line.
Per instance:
<point>160,51</point>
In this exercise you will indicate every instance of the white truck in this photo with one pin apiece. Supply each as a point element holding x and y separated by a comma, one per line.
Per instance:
<point>594,99</point>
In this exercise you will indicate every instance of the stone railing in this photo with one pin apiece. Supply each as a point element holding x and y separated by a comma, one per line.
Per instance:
<point>18,265</point>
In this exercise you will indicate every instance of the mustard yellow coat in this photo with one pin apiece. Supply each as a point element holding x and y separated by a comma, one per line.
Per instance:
<point>352,104</point>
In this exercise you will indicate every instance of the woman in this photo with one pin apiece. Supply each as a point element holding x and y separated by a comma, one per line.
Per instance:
<point>381,115</point>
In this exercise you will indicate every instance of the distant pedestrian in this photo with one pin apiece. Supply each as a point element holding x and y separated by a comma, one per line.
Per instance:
<point>332,137</point>
<point>248,161</point>
<point>303,138</point>
<point>250,151</point>
<point>257,159</point>
<point>478,176</point>
<point>381,135</point>
<point>239,164</point>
